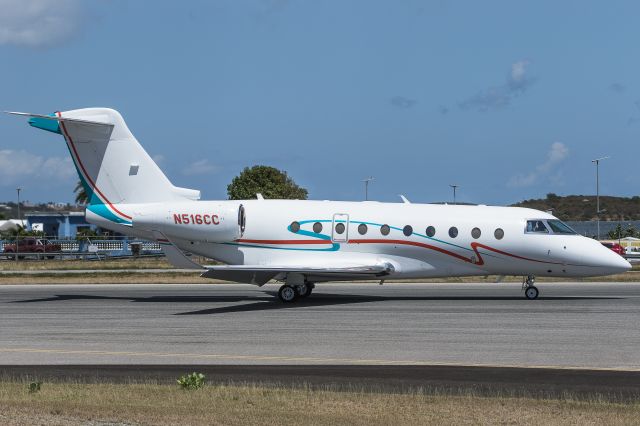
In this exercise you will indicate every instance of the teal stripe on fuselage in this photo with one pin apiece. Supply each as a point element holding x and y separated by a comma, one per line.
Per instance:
<point>336,246</point>
<point>104,211</point>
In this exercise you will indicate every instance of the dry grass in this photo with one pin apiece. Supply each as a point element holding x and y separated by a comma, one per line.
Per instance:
<point>111,278</point>
<point>66,404</point>
<point>194,278</point>
<point>170,277</point>
<point>71,264</point>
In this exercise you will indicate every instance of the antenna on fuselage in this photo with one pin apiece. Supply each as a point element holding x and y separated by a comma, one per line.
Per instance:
<point>366,187</point>
<point>404,199</point>
<point>454,186</point>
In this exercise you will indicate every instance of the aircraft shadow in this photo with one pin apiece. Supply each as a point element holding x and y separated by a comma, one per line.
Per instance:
<point>318,300</point>
<point>269,300</point>
<point>156,299</point>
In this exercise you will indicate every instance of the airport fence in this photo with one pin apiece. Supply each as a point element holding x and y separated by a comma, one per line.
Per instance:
<point>74,248</point>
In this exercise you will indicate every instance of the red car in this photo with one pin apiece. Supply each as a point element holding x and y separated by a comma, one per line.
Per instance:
<point>615,247</point>
<point>32,245</point>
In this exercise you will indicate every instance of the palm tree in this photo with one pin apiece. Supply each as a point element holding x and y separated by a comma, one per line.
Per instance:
<point>81,194</point>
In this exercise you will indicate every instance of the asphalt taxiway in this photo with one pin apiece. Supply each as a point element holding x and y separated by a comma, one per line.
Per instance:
<point>572,325</point>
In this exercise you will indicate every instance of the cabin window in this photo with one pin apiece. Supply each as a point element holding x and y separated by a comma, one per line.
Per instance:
<point>475,233</point>
<point>294,227</point>
<point>498,233</point>
<point>536,227</point>
<point>431,231</point>
<point>407,230</point>
<point>384,229</point>
<point>453,232</point>
<point>340,228</point>
<point>317,227</point>
<point>362,229</point>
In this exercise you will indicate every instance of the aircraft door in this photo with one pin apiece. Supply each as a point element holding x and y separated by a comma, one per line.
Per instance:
<point>340,229</point>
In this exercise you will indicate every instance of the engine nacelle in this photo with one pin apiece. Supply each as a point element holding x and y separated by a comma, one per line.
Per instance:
<point>207,222</point>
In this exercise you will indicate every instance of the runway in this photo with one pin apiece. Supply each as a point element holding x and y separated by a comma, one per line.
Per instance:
<point>572,325</point>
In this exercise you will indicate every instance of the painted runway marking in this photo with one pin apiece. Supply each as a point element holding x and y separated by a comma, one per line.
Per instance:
<point>318,360</point>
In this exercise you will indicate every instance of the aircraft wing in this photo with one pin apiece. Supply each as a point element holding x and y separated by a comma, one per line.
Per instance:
<point>261,274</point>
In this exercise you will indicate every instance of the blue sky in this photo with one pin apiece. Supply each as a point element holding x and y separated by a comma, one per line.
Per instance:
<point>509,100</point>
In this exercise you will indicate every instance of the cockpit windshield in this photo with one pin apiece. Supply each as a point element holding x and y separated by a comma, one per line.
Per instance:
<point>559,227</point>
<point>548,226</point>
<point>537,227</point>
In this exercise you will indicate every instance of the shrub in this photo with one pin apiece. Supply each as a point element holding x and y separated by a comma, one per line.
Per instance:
<point>34,387</point>
<point>191,381</point>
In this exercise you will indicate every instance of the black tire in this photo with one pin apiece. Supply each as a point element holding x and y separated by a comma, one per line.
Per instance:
<point>531,293</point>
<point>307,289</point>
<point>287,294</point>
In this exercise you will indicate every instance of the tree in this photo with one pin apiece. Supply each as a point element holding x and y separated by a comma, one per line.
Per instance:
<point>266,180</point>
<point>616,233</point>
<point>81,193</point>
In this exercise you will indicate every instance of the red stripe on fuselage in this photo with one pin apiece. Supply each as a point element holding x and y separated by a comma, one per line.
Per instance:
<point>66,134</point>
<point>474,245</point>
<point>410,243</point>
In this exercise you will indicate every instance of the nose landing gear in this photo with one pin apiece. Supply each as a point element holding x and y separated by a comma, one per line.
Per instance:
<point>530,290</point>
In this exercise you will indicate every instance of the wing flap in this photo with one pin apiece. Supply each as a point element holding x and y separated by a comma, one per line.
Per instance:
<point>261,274</point>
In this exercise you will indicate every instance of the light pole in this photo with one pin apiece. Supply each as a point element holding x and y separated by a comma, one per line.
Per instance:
<point>366,187</point>
<point>19,220</point>
<point>454,192</point>
<point>19,216</point>
<point>597,163</point>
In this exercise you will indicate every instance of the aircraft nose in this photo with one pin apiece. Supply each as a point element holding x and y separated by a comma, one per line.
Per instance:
<point>614,262</point>
<point>601,260</point>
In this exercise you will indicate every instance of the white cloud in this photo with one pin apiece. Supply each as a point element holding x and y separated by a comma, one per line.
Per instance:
<point>557,153</point>
<point>518,70</point>
<point>39,23</point>
<point>517,82</point>
<point>200,167</point>
<point>18,166</point>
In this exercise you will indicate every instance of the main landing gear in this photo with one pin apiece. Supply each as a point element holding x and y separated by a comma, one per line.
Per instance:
<point>289,293</point>
<point>530,290</point>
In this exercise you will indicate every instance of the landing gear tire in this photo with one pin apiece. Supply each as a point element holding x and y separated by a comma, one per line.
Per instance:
<point>531,293</point>
<point>287,294</point>
<point>304,290</point>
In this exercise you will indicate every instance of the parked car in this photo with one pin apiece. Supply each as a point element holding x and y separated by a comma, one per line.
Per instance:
<point>33,245</point>
<point>615,247</point>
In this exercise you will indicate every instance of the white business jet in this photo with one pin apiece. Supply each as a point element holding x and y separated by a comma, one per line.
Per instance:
<point>301,243</point>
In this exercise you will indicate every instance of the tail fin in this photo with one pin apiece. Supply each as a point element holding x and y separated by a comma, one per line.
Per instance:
<point>112,165</point>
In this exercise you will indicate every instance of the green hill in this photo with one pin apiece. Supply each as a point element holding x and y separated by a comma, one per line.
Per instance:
<point>583,207</point>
